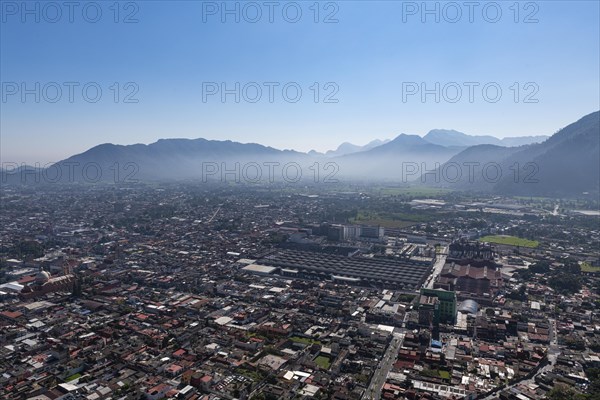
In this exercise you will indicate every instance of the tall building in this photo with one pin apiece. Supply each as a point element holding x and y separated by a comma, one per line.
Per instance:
<point>371,232</point>
<point>335,233</point>
<point>351,232</point>
<point>442,302</point>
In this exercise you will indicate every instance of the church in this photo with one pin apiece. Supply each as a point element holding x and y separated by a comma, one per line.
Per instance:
<point>44,283</point>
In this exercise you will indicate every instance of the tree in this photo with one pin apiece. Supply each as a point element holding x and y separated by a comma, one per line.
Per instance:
<point>565,283</point>
<point>540,267</point>
<point>561,391</point>
<point>572,267</point>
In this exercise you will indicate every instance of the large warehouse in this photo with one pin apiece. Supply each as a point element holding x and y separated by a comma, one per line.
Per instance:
<point>379,272</point>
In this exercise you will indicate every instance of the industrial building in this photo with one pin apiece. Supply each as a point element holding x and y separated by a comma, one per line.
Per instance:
<point>390,273</point>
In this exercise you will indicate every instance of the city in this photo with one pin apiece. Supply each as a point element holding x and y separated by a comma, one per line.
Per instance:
<point>299,200</point>
<point>222,292</point>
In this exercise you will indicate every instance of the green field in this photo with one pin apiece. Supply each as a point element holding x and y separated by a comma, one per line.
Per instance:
<point>417,191</point>
<point>586,267</point>
<point>444,374</point>
<point>323,362</point>
<point>434,373</point>
<point>510,241</point>
<point>390,219</point>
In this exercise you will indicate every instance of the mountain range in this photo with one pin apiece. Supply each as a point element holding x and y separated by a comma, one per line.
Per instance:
<point>567,163</point>
<point>349,148</point>
<point>445,137</point>
<point>442,137</point>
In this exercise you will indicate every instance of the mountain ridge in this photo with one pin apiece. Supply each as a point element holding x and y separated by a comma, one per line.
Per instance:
<point>561,159</point>
<point>566,163</point>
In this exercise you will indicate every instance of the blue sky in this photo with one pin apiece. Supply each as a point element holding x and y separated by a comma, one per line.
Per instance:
<point>372,56</point>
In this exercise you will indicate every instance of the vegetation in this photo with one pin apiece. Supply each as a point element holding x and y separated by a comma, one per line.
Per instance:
<point>540,267</point>
<point>307,341</point>
<point>561,391</point>
<point>435,373</point>
<point>73,377</point>
<point>565,283</point>
<point>256,376</point>
<point>587,267</point>
<point>510,241</point>
<point>323,362</point>
<point>444,374</point>
<point>24,249</point>
<point>565,279</point>
<point>406,298</point>
<point>593,375</point>
<point>390,219</point>
<point>416,191</point>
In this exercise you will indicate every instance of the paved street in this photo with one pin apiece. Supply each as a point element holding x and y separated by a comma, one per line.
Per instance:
<point>373,392</point>
<point>437,267</point>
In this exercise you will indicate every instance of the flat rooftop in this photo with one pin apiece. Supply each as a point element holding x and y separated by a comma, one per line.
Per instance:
<point>260,269</point>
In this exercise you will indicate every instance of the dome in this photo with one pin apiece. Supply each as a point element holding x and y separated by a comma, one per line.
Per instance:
<point>469,307</point>
<point>42,277</point>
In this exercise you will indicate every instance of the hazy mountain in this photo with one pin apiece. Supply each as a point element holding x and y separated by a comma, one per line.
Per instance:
<point>391,160</point>
<point>167,159</point>
<point>568,163</point>
<point>445,137</point>
<point>349,148</point>
<point>14,173</point>
<point>523,140</point>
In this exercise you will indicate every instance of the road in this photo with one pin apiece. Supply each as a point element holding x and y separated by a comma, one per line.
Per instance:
<point>214,215</point>
<point>437,268</point>
<point>373,392</point>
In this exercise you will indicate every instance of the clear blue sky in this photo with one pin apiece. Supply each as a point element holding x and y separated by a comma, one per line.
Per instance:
<point>369,53</point>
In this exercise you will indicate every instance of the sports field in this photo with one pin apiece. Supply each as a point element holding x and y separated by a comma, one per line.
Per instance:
<point>510,241</point>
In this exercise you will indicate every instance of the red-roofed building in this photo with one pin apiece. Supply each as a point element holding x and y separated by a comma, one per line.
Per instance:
<point>179,353</point>
<point>11,315</point>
